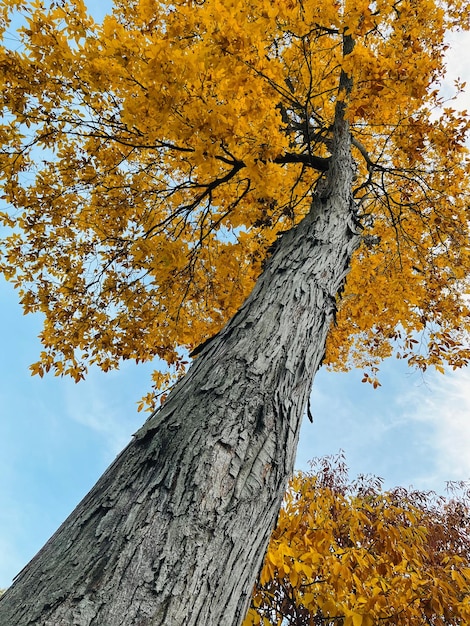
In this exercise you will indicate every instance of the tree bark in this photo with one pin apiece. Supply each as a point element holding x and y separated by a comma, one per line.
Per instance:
<point>175,531</point>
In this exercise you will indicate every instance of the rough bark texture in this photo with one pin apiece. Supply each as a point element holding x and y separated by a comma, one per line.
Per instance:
<point>175,531</point>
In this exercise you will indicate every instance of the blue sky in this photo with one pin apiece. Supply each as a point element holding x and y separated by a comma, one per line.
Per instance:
<point>56,437</point>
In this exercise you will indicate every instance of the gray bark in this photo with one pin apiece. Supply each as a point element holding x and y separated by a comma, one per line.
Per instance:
<point>175,531</point>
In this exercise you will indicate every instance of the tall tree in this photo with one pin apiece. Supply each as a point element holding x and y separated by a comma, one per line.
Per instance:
<point>349,554</point>
<point>162,166</point>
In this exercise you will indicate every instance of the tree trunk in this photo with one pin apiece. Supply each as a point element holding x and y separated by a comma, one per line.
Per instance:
<point>175,531</point>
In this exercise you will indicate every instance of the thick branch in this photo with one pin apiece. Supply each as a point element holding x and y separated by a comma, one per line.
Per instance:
<point>320,164</point>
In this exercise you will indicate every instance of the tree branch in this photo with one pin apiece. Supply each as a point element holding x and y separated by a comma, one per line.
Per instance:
<point>318,163</point>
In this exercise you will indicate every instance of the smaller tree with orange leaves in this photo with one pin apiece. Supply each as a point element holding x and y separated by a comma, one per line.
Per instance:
<point>351,554</point>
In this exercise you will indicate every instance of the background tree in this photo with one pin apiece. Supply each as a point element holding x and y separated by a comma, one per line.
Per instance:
<point>153,164</point>
<point>350,554</point>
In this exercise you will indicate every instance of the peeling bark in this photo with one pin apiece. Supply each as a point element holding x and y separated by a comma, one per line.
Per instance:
<point>175,531</point>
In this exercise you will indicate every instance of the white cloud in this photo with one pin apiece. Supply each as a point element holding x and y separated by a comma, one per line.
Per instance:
<point>91,410</point>
<point>412,431</point>
<point>444,411</point>
<point>458,67</point>
<point>106,404</point>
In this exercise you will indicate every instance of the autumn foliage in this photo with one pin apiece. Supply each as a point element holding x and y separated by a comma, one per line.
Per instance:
<point>150,161</point>
<point>351,554</point>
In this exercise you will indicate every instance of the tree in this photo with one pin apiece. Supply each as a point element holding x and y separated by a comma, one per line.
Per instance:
<point>161,167</point>
<point>350,554</point>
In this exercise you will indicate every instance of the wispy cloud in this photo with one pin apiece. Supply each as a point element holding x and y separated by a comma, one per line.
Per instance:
<point>457,68</point>
<point>107,406</point>
<point>445,414</point>
<point>414,430</point>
